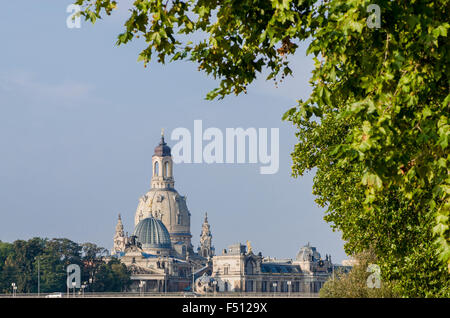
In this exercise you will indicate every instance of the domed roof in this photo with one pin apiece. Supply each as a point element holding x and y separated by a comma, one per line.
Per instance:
<point>168,206</point>
<point>162,149</point>
<point>308,253</point>
<point>152,233</point>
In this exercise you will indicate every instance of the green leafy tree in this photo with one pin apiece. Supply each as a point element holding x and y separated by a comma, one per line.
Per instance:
<point>375,126</point>
<point>354,284</point>
<point>92,260</point>
<point>57,255</point>
<point>112,277</point>
<point>6,275</point>
<point>122,275</point>
<point>19,265</point>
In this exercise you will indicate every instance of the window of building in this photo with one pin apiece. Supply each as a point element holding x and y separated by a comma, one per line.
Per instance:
<point>156,169</point>
<point>274,286</point>
<point>249,268</point>
<point>166,169</point>
<point>264,286</point>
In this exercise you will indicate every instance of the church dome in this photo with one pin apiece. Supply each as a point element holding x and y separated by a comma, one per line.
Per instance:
<point>152,233</point>
<point>162,149</point>
<point>169,207</point>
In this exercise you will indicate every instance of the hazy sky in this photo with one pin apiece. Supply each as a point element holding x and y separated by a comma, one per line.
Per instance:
<point>79,120</point>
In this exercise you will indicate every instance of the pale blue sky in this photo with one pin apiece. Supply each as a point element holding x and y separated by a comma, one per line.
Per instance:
<point>79,119</point>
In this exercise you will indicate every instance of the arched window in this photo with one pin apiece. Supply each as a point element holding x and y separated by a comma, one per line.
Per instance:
<point>156,170</point>
<point>166,169</point>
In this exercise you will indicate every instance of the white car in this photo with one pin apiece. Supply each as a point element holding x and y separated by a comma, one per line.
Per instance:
<point>54,295</point>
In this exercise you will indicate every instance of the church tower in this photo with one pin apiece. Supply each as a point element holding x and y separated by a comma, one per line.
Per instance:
<point>163,202</point>
<point>206,250</point>
<point>119,238</point>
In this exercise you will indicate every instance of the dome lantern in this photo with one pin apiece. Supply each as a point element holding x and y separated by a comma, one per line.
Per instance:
<point>162,149</point>
<point>162,166</point>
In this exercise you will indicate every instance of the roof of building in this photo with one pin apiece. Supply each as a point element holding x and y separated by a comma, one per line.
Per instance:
<point>162,149</point>
<point>152,233</point>
<point>280,268</point>
<point>170,204</point>
<point>308,253</point>
<point>235,249</point>
<point>146,255</point>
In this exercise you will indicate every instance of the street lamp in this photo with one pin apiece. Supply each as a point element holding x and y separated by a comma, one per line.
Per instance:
<point>166,271</point>
<point>193,278</point>
<point>274,288</point>
<point>289,288</point>
<point>14,288</point>
<point>141,286</point>
<point>215,288</point>
<point>39,274</point>
<point>74,284</point>
<point>82,288</point>
<point>91,287</point>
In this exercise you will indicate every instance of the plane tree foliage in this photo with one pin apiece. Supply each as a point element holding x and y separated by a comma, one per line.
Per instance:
<point>375,127</point>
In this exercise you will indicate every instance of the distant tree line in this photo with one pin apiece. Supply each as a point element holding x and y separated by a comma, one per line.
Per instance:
<point>19,265</point>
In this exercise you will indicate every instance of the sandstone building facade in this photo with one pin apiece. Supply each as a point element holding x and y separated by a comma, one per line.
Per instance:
<point>161,256</point>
